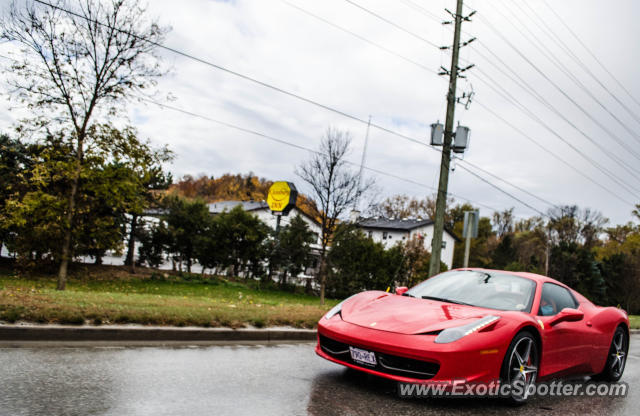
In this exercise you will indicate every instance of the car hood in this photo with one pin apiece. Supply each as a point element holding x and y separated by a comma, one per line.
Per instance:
<point>407,315</point>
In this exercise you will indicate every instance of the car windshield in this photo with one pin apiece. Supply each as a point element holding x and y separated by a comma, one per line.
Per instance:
<point>478,288</point>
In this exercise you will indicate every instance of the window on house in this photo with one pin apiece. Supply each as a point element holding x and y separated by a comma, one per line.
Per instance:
<point>384,235</point>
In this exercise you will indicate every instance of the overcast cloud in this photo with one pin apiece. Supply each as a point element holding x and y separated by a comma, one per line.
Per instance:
<point>278,44</point>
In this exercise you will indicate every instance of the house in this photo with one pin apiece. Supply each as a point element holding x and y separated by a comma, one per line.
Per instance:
<point>261,210</point>
<point>390,231</point>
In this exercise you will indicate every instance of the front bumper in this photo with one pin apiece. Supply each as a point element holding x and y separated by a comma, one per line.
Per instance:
<point>474,360</point>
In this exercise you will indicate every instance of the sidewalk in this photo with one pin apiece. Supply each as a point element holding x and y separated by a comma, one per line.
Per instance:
<point>65,335</point>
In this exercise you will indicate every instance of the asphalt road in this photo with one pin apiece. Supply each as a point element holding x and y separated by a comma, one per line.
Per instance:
<point>239,380</point>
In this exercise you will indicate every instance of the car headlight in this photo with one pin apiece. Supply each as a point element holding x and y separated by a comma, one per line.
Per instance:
<point>336,309</point>
<point>454,334</point>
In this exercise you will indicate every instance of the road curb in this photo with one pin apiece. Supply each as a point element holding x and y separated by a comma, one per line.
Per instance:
<point>123,334</point>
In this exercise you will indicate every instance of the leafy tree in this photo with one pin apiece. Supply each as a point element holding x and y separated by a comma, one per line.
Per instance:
<point>481,248</point>
<point>242,235</point>
<point>74,68</point>
<point>576,266</point>
<point>209,249</point>
<point>335,188</point>
<point>15,160</point>
<point>504,252</point>
<point>294,247</point>
<point>358,263</point>
<point>619,258</point>
<point>151,178</point>
<point>415,264</point>
<point>186,222</point>
<point>107,188</point>
<point>154,242</point>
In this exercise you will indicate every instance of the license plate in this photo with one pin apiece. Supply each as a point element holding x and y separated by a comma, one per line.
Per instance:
<point>363,356</point>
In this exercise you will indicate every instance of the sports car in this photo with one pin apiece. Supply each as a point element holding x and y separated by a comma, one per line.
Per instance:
<point>478,325</point>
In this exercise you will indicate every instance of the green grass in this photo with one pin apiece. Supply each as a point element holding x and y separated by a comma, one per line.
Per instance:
<point>634,321</point>
<point>154,299</point>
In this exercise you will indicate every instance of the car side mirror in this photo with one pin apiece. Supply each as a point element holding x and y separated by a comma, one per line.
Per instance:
<point>400,290</point>
<point>567,315</point>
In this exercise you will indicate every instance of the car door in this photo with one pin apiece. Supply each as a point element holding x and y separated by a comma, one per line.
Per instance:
<point>563,348</point>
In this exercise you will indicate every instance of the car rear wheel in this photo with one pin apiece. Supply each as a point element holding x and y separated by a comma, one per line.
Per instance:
<point>617,357</point>
<point>520,366</point>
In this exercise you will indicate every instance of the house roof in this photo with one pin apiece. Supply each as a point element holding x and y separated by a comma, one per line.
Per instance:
<point>393,223</point>
<point>221,206</point>
<point>399,224</point>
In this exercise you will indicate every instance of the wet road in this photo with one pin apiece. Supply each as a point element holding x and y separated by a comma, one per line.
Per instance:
<point>238,380</point>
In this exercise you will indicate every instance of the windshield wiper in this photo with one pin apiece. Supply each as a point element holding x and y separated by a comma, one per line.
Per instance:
<point>445,300</point>
<point>408,294</point>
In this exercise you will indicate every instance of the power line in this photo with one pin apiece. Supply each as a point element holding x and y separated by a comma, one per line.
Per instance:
<point>558,39</point>
<point>593,55</point>
<point>550,81</point>
<point>594,142</point>
<point>558,63</point>
<point>610,174</point>
<point>300,147</point>
<point>396,25</point>
<point>544,201</point>
<point>518,80</point>
<point>498,88</point>
<point>362,38</point>
<point>503,191</point>
<point>422,10</point>
<point>505,121</point>
<point>413,62</point>
<point>421,66</point>
<point>248,78</point>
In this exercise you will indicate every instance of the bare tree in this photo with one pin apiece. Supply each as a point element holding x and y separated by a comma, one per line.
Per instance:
<point>78,59</point>
<point>334,187</point>
<point>570,224</point>
<point>503,222</point>
<point>401,206</point>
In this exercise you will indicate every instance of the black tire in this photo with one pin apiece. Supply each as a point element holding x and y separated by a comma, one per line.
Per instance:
<point>527,371</point>
<point>616,358</point>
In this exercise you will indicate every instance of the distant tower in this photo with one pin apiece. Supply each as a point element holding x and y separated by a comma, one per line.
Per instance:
<point>361,173</point>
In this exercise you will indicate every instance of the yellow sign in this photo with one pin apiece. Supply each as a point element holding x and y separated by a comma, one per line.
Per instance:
<point>282,197</point>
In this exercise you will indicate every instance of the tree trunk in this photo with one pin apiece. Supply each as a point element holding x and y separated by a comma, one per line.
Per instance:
<point>66,240</point>
<point>98,259</point>
<point>131,258</point>
<point>323,277</point>
<point>283,279</point>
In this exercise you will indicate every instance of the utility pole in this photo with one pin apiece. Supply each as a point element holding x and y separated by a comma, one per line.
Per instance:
<point>441,199</point>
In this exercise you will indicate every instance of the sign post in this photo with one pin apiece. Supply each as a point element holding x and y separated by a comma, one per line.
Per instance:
<point>469,231</point>
<point>281,199</point>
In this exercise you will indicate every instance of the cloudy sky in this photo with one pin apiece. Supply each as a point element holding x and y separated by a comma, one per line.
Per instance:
<point>555,123</point>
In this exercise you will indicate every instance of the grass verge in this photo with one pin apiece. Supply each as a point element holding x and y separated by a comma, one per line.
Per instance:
<point>154,299</point>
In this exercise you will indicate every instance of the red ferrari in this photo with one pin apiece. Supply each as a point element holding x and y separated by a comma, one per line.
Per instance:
<point>477,325</point>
